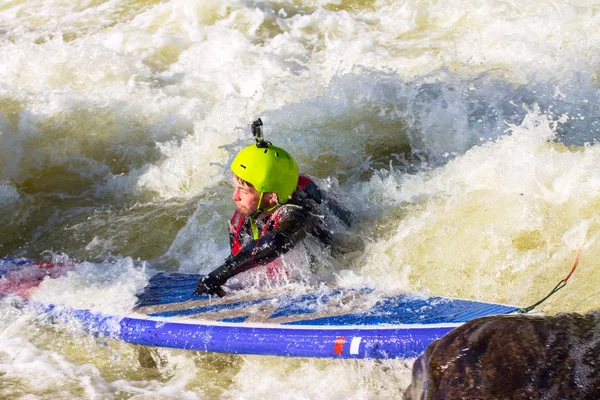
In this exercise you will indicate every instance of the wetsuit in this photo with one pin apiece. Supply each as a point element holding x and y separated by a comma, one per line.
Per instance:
<point>277,233</point>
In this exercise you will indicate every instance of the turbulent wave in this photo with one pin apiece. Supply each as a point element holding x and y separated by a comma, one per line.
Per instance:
<point>463,135</point>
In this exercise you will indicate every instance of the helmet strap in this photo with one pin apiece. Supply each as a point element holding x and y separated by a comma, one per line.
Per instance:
<point>255,234</point>
<point>259,211</point>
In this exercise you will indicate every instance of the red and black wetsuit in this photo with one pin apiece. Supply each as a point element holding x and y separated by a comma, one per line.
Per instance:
<point>279,232</point>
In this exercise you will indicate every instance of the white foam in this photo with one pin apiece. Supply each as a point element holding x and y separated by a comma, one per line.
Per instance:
<point>9,195</point>
<point>328,379</point>
<point>253,58</point>
<point>108,288</point>
<point>494,215</point>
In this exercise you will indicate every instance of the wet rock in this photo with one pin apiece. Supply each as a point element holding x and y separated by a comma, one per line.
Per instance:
<point>513,357</point>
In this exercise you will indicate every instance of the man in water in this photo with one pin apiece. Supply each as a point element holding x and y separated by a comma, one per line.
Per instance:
<point>276,209</point>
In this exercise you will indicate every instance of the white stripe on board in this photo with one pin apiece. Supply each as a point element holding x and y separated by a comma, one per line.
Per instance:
<point>355,344</point>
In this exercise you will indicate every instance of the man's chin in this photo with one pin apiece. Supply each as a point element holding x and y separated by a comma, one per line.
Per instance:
<point>245,213</point>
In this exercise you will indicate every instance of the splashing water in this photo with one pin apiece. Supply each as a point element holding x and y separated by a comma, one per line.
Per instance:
<point>462,135</point>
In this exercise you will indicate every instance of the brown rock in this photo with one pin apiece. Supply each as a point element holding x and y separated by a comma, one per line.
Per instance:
<point>513,357</point>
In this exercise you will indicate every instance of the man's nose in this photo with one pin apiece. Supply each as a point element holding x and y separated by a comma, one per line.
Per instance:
<point>236,194</point>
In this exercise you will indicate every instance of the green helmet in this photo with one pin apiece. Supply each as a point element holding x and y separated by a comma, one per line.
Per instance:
<point>268,168</point>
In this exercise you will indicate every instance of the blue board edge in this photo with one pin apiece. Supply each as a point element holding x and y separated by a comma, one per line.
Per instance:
<point>317,342</point>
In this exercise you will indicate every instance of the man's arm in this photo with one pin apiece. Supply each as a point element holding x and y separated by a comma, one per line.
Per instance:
<point>290,230</point>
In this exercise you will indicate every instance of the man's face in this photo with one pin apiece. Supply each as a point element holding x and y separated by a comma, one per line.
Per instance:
<point>245,197</point>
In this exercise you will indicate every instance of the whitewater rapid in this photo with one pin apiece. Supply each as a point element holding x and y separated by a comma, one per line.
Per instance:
<point>463,135</point>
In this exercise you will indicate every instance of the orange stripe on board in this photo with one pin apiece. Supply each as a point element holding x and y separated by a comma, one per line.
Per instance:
<point>339,345</point>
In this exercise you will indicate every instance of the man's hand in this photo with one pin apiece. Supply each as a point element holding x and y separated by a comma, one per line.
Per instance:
<point>209,285</point>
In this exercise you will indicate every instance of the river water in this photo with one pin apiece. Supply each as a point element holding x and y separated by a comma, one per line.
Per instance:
<point>463,135</point>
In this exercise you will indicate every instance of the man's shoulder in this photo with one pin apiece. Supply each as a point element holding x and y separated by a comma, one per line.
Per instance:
<point>310,193</point>
<point>308,189</point>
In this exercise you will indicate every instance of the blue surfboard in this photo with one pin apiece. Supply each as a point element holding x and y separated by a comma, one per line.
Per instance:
<point>325,323</point>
